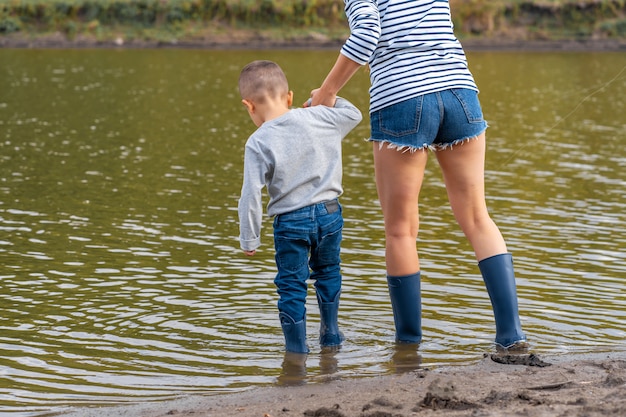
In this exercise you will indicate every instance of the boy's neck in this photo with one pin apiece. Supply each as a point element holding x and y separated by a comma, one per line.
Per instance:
<point>268,109</point>
<point>273,108</point>
<point>272,113</point>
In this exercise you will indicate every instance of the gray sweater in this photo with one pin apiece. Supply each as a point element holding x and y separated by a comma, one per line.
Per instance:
<point>297,156</point>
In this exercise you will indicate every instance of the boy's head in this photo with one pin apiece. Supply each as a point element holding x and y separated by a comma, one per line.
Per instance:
<point>261,79</point>
<point>264,90</point>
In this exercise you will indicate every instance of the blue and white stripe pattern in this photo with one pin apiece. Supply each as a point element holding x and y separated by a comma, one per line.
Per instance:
<point>410,47</point>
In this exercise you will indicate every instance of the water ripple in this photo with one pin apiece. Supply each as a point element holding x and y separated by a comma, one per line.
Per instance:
<point>122,276</point>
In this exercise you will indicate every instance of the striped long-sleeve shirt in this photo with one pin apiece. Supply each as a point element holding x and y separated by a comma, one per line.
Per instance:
<point>410,47</point>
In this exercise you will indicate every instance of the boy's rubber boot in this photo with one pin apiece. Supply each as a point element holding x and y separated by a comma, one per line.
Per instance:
<point>329,328</point>
<point>497,272</point>
<point>295,334</point>
<point>406,302</point>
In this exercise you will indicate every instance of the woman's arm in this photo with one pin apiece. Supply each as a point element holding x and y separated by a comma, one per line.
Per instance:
<point>338,76</point>
<point>364,21</point>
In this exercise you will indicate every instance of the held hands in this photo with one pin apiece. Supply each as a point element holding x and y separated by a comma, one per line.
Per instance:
<point>319,96</point>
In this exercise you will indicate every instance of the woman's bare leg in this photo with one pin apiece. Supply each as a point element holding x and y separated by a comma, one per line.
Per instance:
<point>463,172</point>
<point>463,168</point>
<point>399,177</point>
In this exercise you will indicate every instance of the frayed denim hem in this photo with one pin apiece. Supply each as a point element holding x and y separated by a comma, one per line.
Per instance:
<point>399,148</point>
<point>451,145</point>
<point>432,147</point>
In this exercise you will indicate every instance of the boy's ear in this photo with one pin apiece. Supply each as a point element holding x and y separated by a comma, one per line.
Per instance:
<point>289,98</point>
<point>248,105</point>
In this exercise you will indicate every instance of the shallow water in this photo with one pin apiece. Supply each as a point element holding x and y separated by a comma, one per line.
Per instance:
<point>121,279</point>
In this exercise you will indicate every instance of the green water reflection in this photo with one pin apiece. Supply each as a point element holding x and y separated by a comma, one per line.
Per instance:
<point>121,279</point>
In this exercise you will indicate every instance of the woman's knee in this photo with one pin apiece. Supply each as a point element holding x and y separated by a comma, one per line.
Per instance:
<point>401,229</point>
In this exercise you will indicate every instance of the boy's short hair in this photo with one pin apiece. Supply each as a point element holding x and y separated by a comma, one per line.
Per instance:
<point>260,79</point>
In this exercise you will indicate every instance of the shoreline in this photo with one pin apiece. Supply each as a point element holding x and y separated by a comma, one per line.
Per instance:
<point>252,40</point>
<point>573,385</point>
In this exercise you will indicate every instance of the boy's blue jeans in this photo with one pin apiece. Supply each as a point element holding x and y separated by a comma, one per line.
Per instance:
<point>307,243</point>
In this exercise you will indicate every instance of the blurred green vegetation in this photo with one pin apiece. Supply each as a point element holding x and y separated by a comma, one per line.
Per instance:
<point>541,19</point>
<point>186,19</point>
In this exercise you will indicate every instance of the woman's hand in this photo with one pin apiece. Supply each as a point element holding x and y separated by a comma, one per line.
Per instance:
<point>319,96</point>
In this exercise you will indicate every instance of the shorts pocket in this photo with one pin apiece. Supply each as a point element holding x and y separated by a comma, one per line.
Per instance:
<point>470,103</point>
<point>401,119</point>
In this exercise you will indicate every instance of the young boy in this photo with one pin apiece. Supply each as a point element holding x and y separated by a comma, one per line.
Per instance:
<point>296,154</point>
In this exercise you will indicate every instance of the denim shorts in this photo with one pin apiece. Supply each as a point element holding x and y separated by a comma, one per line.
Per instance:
<point>308,244</point>
<point>436,121</point>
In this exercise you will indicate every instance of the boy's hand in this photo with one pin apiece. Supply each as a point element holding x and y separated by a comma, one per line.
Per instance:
<point>249,252</point>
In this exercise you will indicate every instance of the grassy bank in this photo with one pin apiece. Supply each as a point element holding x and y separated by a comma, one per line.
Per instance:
<point>541,19</point>
<point>206,20</point>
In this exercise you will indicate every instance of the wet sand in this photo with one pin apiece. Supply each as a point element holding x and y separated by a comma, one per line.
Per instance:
<point>573,385</point>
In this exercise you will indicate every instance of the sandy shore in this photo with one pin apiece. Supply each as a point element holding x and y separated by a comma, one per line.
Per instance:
<point>573,385</point>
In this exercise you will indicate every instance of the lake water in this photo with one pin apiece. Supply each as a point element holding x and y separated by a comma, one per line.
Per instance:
<point>121,278</point>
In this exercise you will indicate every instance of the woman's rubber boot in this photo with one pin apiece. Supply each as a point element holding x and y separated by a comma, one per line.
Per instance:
<point>330,336</point>
<point>295,334</point>
<point>406,302</point>
<point>497,272</point>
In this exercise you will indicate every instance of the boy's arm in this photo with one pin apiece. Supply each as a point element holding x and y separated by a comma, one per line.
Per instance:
<point>348,115</point>
<point>250,207</point>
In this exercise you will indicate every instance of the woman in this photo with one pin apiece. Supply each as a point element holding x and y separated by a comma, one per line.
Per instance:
<point>423,97</point>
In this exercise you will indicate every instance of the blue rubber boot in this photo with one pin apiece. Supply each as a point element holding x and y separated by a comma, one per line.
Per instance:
<point>295,334</point>
<point>497,272</point>
<point>329,328</point>
<point>406,302</point>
